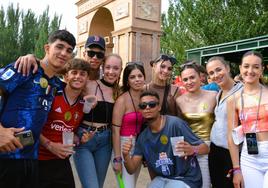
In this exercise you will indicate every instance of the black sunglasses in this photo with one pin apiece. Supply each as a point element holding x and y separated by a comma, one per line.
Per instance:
<point>164,57</point>
<point>99,55</point>
<point>134,63</point>
<point>150,104</point>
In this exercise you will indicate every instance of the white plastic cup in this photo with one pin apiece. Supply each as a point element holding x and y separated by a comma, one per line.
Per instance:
<point>89,102</point>
<point>174,141</point>
<point>67,138</point>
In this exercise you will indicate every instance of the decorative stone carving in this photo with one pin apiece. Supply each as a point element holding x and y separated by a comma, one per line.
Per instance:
<point>147,10</point>
<point>82,28</point>
<point>122,10</point>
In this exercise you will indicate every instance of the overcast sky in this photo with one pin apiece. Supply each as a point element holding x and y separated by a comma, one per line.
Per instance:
<point>66,8</point>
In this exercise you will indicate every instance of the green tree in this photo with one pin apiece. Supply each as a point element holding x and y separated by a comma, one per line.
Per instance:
<point>43,29</point>
<point>27,33</point>
<point>196,23</point>
<point>24,32</point>
<point>9,29</point>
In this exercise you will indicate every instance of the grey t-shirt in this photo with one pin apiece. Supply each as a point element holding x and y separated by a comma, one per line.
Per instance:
<point>157,150</point>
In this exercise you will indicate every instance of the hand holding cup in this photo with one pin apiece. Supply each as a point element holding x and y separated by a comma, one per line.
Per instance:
<point>90,102</point>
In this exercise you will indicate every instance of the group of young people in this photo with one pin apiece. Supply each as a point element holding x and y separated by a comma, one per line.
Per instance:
<point>129,125</point>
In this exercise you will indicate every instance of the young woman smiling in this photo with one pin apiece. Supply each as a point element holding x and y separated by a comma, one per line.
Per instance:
<point>196,108</point>
<point>161,74</point>
<point>250,107</point>
<point>127,120</point>
<point>219,157</point>
<point>92,158</point>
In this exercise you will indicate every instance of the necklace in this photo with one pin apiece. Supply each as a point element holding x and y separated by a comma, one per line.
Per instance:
<point>107,83</point>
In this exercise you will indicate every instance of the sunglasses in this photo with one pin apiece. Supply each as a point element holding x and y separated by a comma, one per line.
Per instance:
<point>134,63</point>
<point>91,53</point>
<point>164,57</point>
<point>188,64</point>
<point>150,104</point>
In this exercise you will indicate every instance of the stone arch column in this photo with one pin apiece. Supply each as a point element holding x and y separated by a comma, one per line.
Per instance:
<point>130,27</point>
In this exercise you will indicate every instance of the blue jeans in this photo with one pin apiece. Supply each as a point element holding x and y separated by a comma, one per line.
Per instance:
<point>161,182</point>
<point>92,159</point>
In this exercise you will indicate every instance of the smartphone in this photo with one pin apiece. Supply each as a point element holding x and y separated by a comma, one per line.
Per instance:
<point>252,143</point>
<point>25,137</point>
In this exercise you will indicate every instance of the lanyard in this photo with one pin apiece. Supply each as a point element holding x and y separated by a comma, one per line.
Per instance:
<point>258,110</point>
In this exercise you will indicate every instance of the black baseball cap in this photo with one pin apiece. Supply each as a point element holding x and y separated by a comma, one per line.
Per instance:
<point>95,40</point>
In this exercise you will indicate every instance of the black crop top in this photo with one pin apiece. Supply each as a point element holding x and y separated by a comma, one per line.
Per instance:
<point>102,113</point>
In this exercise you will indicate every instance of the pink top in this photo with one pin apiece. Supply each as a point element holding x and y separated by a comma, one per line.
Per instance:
<point>129,126</point>
<point>249,120</point>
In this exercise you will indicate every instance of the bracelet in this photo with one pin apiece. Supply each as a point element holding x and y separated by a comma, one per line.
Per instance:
<point>233,171</point>
<point>196,149</point>
<point>47,143</point>
<point>236,171</point>
<point>117,159</point>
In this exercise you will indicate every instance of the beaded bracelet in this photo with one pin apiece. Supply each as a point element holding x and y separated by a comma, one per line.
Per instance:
<point>233,171</point>
<point>117,159</point>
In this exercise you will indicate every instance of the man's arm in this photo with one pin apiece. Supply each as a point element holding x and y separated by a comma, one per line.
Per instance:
<point>24,64</point>
<point>188,149</point>
<point>131,163</point>
<point>8,141</point>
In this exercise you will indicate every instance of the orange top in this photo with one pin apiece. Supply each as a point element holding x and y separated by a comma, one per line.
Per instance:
<point>250,119</point>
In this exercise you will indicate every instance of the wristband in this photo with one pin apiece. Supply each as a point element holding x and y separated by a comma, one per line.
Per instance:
<point>236,171</point>
<point>117,159</point>
<point>196,149</point>
<point>233,171</point>
<point>47,143</point>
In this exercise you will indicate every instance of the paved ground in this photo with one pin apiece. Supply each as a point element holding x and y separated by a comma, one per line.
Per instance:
<point>110,181</point>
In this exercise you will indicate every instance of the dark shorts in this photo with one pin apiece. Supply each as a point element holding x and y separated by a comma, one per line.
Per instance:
<point>19,173</point>
<point>56,173</point>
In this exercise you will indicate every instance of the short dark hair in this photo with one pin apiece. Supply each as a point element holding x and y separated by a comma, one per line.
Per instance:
<point>202,69</point>
<point>150,93</point>
<point>77,64</point>
<point>62,35</point>
<point>127,70</point>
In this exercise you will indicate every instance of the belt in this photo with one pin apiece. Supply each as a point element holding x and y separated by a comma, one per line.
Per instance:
<point>92,126</point>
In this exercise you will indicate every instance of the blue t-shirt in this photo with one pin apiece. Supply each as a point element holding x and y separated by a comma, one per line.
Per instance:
<point>28,103</point>
<point>157,150</point>
<point>212,87</point>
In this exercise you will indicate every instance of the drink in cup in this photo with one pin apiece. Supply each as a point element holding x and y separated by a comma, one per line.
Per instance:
<point>174,141</point>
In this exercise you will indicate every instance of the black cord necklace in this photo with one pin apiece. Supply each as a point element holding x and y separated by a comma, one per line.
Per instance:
<point>107,83</point>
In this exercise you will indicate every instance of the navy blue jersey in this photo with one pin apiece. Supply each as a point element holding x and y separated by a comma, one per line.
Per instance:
<point>28,103</point>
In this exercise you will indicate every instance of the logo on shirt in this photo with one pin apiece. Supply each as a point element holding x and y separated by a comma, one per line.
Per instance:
<point>58,110</point>
<point>76,116</point>
<point>163,162</point>
<point>45,103</point>
<point>59,125</point>
<point>7,74</point>
<point>68,116</point>
<point>164,139</point>
<point>43,82</point>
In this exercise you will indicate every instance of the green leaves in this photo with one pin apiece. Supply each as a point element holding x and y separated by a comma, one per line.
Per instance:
<point>196,23</point>
<point>23,32</point>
